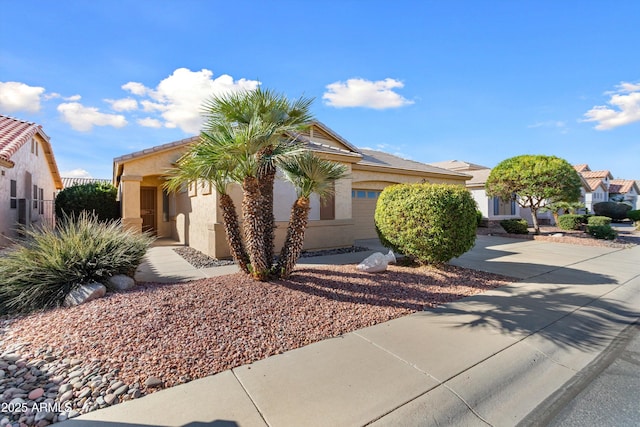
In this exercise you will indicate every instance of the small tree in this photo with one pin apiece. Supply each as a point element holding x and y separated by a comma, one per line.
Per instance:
<point>534,181</point>
<point>95,198</point>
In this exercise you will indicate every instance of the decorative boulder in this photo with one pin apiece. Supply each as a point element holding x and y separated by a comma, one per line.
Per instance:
<point>120,282</point>
<point>377,262</point>
<point>85,293</point>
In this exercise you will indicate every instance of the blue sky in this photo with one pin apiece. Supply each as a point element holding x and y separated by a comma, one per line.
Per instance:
<point>478,81</point>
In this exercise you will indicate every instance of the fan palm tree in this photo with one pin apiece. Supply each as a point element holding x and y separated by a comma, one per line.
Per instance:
<point>309,174</point>
<point>280,117</point>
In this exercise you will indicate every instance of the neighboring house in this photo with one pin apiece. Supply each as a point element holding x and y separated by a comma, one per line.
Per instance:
<point>598,185</point>
<point>493,208</point>
<point>624,190</point>
<point>193,217</point>
<point>603,187</point>
<point>29,177</point>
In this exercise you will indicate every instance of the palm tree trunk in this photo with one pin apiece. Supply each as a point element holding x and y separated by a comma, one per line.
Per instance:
<point>267,178</point>
<point>254,228</point>
<point>233,233</point>
<point>294,241</point>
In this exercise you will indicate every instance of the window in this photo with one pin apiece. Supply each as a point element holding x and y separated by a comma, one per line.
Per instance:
<point>503,207</point>
<point>13,199</point>
<point>165,206</point>
<point>35,197</point>
<point>41,198</point>
<point>328,207</point>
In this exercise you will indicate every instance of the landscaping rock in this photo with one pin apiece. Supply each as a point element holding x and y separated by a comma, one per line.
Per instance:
<point>120,282</point>
<point>85,293</point>
<point>153,382</point>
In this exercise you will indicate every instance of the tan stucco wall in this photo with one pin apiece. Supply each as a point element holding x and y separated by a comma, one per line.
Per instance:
<point>376,180</point>
<point>25,162</point>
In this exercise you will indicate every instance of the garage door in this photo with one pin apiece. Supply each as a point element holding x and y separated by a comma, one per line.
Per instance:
<point>364,207</point>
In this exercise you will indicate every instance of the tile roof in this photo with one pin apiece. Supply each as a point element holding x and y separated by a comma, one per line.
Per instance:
<point>621,186</point>
<point>380,158</point>
<point>70,182</point>
<point>458,165</point>
<point>14,133</point>
<point>597,174</point>
<point>582,168</point>
<point>594,183</point>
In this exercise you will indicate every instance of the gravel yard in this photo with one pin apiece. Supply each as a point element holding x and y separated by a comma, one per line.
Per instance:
<point>180,332</point>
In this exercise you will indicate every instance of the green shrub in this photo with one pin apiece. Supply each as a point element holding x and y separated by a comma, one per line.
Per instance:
<point>602,232</point>
<point>599,220</point>
<point>515,226</point>
<point>478,218</point>
<point>95,198</point>
<point>429,223</point>
<point>634,215</point>
<point>570,221</point>
<point>39,271</point>
<point>617,211</point>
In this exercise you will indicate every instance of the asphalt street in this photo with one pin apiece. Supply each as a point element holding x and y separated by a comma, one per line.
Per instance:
<point>605,393</point>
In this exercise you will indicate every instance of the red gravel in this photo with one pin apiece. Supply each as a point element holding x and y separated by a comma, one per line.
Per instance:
<point>180,332</point>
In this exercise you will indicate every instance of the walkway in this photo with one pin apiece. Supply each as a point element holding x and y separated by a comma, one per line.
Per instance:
<point>484,360</point>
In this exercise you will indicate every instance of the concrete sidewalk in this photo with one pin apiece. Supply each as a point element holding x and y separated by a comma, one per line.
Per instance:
<point>489,359</point>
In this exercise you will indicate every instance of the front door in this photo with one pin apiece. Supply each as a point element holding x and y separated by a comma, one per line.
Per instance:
<point>148,209</point>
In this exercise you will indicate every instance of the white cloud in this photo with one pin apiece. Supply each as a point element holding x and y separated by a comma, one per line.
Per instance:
<point>76,173</point>
<point>16,96</point>
<point>83,118</point>
<point>623,109</point>
<point>150,122</point>
<point>549,124</point>
<point>365,93</point>
<point>179,97</point>
<point>149,106</point>
<point>73,98</point>
<point>123,104</point>
<point>135,88</point>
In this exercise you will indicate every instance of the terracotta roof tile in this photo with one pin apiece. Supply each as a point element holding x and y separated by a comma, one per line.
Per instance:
<point>597,174</point>
<point>594,183</point>
<point>14,134</point>
<point>621,186</point>
<point>69,182</point>
<point>582,168</point>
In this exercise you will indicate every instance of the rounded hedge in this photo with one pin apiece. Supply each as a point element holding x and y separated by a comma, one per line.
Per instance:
<point>95,198</point>
<point>634,215</point>
<point>570,221</point>
<point>599,220</point>
<point>617,211</point>
<point>429,223</point>
<point>515,226</point>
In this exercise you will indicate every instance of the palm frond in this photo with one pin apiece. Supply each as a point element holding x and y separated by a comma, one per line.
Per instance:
<point>312,174</point>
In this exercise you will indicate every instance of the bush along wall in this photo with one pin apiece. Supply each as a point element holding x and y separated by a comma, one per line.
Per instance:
<point>429,223</point>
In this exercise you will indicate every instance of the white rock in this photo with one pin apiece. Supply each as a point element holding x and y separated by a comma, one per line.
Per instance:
<point>377,262</point>
<point>121,282</point>
<point>85,293</point>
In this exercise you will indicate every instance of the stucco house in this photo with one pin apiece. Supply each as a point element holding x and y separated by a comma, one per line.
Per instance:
<point>192,216</point>
<point>29,177</point>
<point>493,208</point>
<point>603,187</point>
<point>624,190</point>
